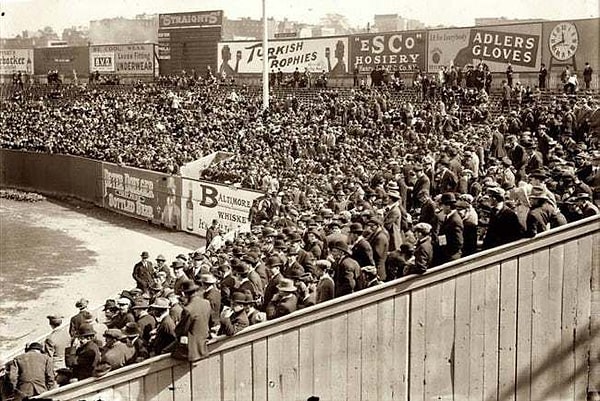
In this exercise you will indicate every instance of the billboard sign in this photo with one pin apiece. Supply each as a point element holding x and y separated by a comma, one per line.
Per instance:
<point>16,60</point>
<point>66,60</point>
<point>136,59</point>
<point>142,194</point>
<point>203,201</point>
<point>191,19</point>
<point>404,51</point>
<point>496,46</point>
<point>315,55</point>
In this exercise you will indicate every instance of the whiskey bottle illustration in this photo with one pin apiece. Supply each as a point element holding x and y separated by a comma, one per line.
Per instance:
<point>189,205</point>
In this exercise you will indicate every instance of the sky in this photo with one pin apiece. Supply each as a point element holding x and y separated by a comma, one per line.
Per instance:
<point>19,15</point>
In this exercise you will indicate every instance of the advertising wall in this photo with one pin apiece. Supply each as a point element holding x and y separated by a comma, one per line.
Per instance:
<point>135,59</point>
<point>571,43</point>
<point>203,201</point>
<point>16,60</point>
<point>404,51</point>
<point>188,41</point>
<point>315,55</point>
<point>65,60</point>
<point>142,194</point>
<point>520,45</point>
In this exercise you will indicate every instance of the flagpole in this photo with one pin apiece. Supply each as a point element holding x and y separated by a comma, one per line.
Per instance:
<point>265,46</point>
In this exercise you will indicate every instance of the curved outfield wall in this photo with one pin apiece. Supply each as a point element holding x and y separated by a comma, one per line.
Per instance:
<point>141,194</point>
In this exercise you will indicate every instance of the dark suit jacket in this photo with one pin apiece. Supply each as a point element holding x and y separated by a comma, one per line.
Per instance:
<point>452,228</point>
<point>423,256</point>
<point>234,324</point>
<point>143,276</point>
<point>194,324</point>
<point>379,241</point>
<point>281,306</point>
<point>347,272</point>
<point>214,297</point>
<point>271,289</point>
<point>363,253</point>
<point>88,357</point>
<point>503,228</point>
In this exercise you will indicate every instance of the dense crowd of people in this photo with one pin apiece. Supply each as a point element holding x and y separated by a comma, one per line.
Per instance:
<point>361,187</point>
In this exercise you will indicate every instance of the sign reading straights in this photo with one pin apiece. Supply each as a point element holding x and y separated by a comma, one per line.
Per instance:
<point>203,201</point>
<point>404,51</point>
<point>16,60</point>
<point>328,55</point>
<point>193,19</point>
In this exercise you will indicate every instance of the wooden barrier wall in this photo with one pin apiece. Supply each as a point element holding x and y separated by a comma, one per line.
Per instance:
<point>512,323</point>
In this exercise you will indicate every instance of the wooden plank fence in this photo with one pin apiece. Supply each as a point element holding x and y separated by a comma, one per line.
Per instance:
<point>514,323</point>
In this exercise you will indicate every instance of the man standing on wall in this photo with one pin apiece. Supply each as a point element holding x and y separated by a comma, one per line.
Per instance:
<point>542,77</point>
<point>587,75</point>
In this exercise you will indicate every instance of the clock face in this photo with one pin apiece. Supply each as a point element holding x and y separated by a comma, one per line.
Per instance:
<point>563,41</point>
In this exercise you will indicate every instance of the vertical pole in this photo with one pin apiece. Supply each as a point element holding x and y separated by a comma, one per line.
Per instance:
<point>265,46</point>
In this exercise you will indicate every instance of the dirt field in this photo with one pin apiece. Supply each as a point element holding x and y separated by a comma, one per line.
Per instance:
<point>53,253</point>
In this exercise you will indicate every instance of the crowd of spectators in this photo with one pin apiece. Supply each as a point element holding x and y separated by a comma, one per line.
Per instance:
<point>361,187</point>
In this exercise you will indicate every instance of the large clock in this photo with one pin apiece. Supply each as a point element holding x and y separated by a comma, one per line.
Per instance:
<point>563,41</point>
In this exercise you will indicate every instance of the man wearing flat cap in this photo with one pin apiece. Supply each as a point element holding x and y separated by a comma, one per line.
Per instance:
<point>193,328</point>
<point>542,215</point>
<point>31,373</point>
<point>114,353</point>
<point>57,342</point>
<point>423,254</point>
<point>78,320</point>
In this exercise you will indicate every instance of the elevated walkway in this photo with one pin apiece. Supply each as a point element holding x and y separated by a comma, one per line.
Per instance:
<point>519,322</point>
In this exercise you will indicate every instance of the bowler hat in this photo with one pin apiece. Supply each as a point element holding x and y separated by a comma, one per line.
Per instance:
<point>356,228</point>
<point>286,285</point>
<point>145,254</point>
<point>274,261</point>
<point>181,256</point>
<point>238,297</point>
<point>295,272</point>
<point>131,329</point>
<point>110,304</point>
<point>86,330</point>
<point>54,319</point>
<point>340,245</point>
<point>448,198</point>
<point>189,286</point>
<point>178,264</point>
<point>35,346</point>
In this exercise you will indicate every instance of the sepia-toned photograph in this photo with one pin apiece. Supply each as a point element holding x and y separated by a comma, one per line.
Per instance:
<point>272,200</point>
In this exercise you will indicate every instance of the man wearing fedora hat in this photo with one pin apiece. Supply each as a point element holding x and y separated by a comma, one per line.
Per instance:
<point>346,270</point>
<point>143,271</point>
<point>180,277</point>
<point>542,214</point>
<point>450,235</point>
<point>31,373</point>
<point>211,293</point>
<point>136,347</point>
<point>284,302</point>
<point>361,249</point>
<point>164,333</point>
<point>88,353</point>
<point>193,328</point>
<point>392,220</point>
<point>123,315</point>
<point>379,240</point>
<point>503,226</point>
<point>145,321</point>
<point>274,265</point>
<point>234,319</point>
